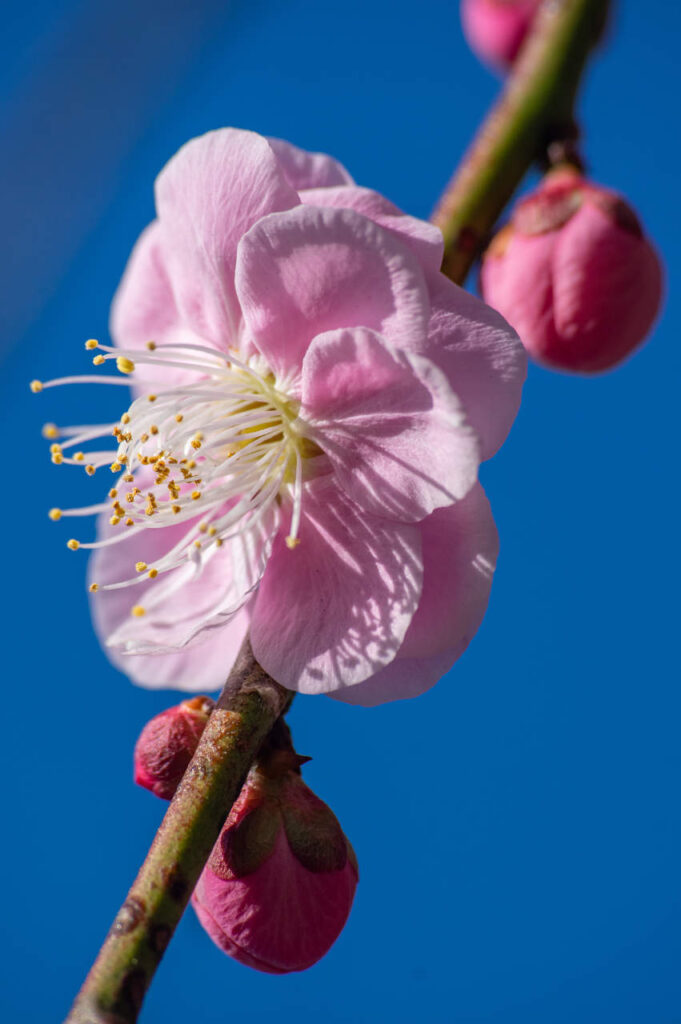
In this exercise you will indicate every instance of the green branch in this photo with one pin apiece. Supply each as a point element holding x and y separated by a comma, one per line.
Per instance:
<point>535,108</point>
<point>250,704</point>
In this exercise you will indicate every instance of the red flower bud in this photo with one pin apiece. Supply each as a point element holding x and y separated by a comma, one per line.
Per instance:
<point>495,29</point>
<point>574,274</point>
<point>167,743</point>
<point>279,884</point>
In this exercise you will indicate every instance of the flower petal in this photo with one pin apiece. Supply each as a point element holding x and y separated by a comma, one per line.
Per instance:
<point>460,548</point>
<point>424,239</point>
<point>390,424</point>
<point>279,918</point>
<point>188,606</point>
<point>144,310</point>
<point>311,270</point>
<point>505,275</point>
<point>482,357</point>
<point>335,609</point>
<point>203,665</point>
<point>607,284</point>
<point>308,170</point>
<point>207,197</point>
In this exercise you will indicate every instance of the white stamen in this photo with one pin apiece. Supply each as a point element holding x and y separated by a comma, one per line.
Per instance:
<point>225,447</point>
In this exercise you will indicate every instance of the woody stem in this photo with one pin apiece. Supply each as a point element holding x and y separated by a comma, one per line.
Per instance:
<point>534,109</point>
<point>248,707</point>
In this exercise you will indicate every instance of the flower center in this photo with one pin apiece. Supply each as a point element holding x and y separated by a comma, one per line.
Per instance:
<point>218,453</point>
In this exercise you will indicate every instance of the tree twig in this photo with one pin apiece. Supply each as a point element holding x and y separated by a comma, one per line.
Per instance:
<point>535,108</point>
<point>248,707</point>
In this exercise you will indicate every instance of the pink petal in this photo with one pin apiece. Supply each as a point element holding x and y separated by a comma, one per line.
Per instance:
<point>207,197</point>
<point>144,310</point>
<point>424,239</point>
<point>505,277</point>
<point>335,609</point>
<point>460,548</point>
<point>481,356</point>
<point>607,288</point>
<point>281,917</point>
<point>390,424</point>
<point>308,170</point>
<point>180,607</point>
<point>312,270</point>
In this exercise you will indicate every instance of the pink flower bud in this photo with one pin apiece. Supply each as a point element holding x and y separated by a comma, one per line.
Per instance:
<point>495,29</point>
<point>574,274</point>
<point>167,743</point>
<point>279,884</point>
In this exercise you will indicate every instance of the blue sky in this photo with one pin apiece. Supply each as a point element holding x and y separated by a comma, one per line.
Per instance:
<point>519,827</point>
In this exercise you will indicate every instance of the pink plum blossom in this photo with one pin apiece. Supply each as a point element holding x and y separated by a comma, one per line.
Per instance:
<point>312,401</point>
<point>495,29</point>
<point>575,275</point>
<point>279,884</point>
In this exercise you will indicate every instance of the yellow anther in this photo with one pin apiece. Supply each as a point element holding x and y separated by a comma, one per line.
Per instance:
<point>90,470</point>
<point>91,343</point>
<point>73,545</point>
<point>55,449</point>
<point>36,386</point>
<point>125,365</point>
<point>128,478</point>
<point>191,464</point>
<point>113,493</point>
<point>138,611</point>
<point>153,573</point>
<point>93,588</point>
<point>203,528</point>
<point>212,531</point>
<point>129,522</point>
<point>197,544</point>
<point>218,543</point>
<point>151,345</point>
<point>153,429</point>
<point>196,495</point>
<point>57,458</point>
<point>125,418</point>
<point>144,438</point>
<point>78,457</point>
<point>179,417</point>
<point>98,360</point>
<point>176,509</point>
<point>115,467</point>
<point>54,514</point>
<point>140,566</point>
<point>151,398</point>
<point>50,431</point>
<point>115,520</point>
<point>292,542</point>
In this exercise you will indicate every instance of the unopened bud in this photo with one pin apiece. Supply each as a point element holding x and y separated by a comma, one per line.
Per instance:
<point>167,743</point>
<point>574,274</point>
<point>280,882</point>
<point>495,29</point>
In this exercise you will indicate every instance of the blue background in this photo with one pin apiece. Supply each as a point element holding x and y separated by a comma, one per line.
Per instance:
<point>519,827</point>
